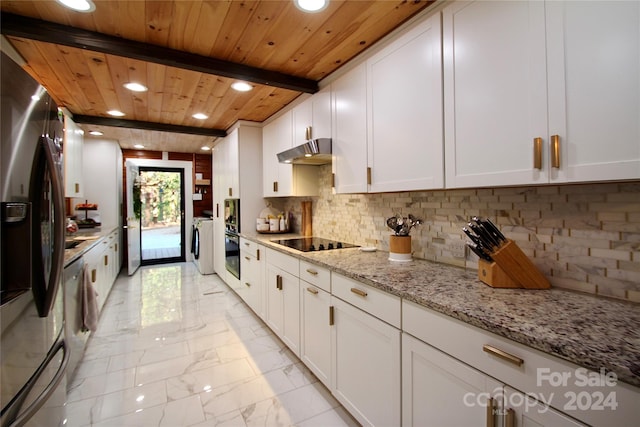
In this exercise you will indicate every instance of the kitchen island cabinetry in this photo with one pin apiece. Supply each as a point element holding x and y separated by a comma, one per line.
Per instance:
<point>539,92</point>
<point>283,298</point>
<point>405,136</point>
<point>281,179</point>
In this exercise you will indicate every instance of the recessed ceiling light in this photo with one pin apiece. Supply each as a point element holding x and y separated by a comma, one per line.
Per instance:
<point>241,86</point>
<point>136,87</point>
<point>205,148</point>
<point>115,113</point>
<point>96,133</point>
<point>311,5</point>
<point>200,116</point>
<point>138,146</point>
<point>79,5</point>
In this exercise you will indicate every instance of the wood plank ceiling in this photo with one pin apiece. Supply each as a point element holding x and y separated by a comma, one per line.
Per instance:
<point>188,53</point>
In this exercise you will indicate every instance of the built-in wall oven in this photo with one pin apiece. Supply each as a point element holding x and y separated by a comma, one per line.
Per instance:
<point>231,237</point>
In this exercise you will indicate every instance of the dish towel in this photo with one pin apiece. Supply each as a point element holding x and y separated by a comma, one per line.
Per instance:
<point>89,303</point>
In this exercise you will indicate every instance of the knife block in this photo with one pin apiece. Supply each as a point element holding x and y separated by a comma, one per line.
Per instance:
<point>519,267</point>
<point>494,276</point>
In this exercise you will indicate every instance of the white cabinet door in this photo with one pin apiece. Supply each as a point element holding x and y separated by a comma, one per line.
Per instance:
<point>232,175</point>
<point>250,289</point>
<point>594,90</point>
<point>283,306</point>
<point>321,113</point>
<point>524,411</point>
<point>366,365</point>
<point>302,116</point>
<point>405,141</point>
<point>218,248</point>
<point>494,92</point>
<point>277,137</point>
<point>349,143</point>
<point>315,343</point>
<point>73,161</point>
<point>438,390</point>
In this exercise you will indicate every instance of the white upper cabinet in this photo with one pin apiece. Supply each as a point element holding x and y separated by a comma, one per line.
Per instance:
<point>539,92</point>
<point>302,122</point>
<point>405,143</point>
<point>494,92</point>
<point>312,118</point>
<point>73,155</point>
<point>349,143</point>
<point>277,137</point>
<point>593,63</point>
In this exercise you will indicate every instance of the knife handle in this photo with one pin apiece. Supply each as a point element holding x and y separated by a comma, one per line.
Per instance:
<point>537,153</point>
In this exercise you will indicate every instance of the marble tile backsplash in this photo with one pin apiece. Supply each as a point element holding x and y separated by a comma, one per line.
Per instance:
<point>584,237</point>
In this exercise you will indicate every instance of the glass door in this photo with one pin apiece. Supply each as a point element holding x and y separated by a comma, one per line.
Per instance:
<point>162,215</point>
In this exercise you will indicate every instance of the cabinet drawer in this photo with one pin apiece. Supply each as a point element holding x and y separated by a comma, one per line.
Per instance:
<point>318,276</point>
<point>249,247</point>
<point>374,301</point>
<point>521,367</point>
<point>285,262</point>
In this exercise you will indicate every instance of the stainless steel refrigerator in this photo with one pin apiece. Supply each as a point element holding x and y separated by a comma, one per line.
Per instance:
<point>34,354</point>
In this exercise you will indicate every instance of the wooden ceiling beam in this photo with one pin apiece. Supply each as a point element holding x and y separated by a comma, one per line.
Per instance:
<point>44,31</point>
<point>135,124</point>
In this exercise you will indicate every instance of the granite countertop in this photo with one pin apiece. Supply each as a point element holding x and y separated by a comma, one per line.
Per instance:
<point>87,238</point>
<point>589,331</point>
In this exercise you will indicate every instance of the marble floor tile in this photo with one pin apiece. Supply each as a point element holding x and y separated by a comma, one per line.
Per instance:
<point>175,348</point>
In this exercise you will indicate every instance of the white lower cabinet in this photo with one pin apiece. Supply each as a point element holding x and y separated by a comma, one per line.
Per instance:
<point>251,275</point>
<point>521,410</point>
<point>315,343</point>
<point>438,390</point>
<point>366,365</point>
<point>283,298</point>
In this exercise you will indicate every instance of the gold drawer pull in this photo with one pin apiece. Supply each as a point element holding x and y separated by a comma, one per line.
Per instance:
<point>555,151</point>
<point>537,153</point>
<point>503,355</point>
<point>247,258</point>
<point>279,282</point>
<point>93,275</point>
<point>313,291</point>
<point>359,292</point>
<point>248,284</point>
<point>313,272</point>
<point>247,244</point>
<point>510,419</point>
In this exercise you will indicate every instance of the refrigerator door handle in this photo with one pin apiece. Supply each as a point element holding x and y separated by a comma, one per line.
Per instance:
<point>45,291</point>
<point>17,421</point>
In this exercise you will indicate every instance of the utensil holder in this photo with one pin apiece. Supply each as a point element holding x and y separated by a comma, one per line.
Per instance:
<point>519,267</point>
<point>491,274</point>
<point>399,248</point>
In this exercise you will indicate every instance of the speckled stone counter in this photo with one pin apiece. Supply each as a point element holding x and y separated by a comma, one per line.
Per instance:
<point>88,238</point>
<point>589,331</point>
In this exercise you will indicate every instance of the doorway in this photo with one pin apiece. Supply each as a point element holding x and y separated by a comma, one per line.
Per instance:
<point>162,231</point>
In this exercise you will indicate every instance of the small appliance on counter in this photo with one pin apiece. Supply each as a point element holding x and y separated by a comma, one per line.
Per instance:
<point>502,263</point>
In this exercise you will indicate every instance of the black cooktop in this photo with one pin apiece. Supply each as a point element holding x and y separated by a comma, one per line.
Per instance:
<point>310,244</point>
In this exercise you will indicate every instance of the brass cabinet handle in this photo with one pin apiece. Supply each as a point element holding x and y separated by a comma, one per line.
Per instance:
<point>307,133</point>
<point>279,282</point>
<point>490,418</point>
<point>503,355</point>
<point>311,271</point>
<point>247,258</point>
<point>77,187</point>
<point>116,247</point>
<point>106,260</point>
<point>312,290</point>
<point>248,284</point>
<point>555,151</point>
<point>331,316</point>
<point>369,176</point>
<point>359,292</point>
<point>275,186</point>
<point>510,418</point>
<point>258,254</point>
<point>333,180</point>
<point>230,192</point>
<point>217,210</point>
<point>93,275</point>
<point>247,244</point>
<point>537,153</point>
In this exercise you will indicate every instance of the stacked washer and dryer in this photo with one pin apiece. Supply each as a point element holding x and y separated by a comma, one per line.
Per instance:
<point>202,244</point>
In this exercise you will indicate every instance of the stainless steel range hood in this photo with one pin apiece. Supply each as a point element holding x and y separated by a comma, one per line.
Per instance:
<point>313,152</point>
